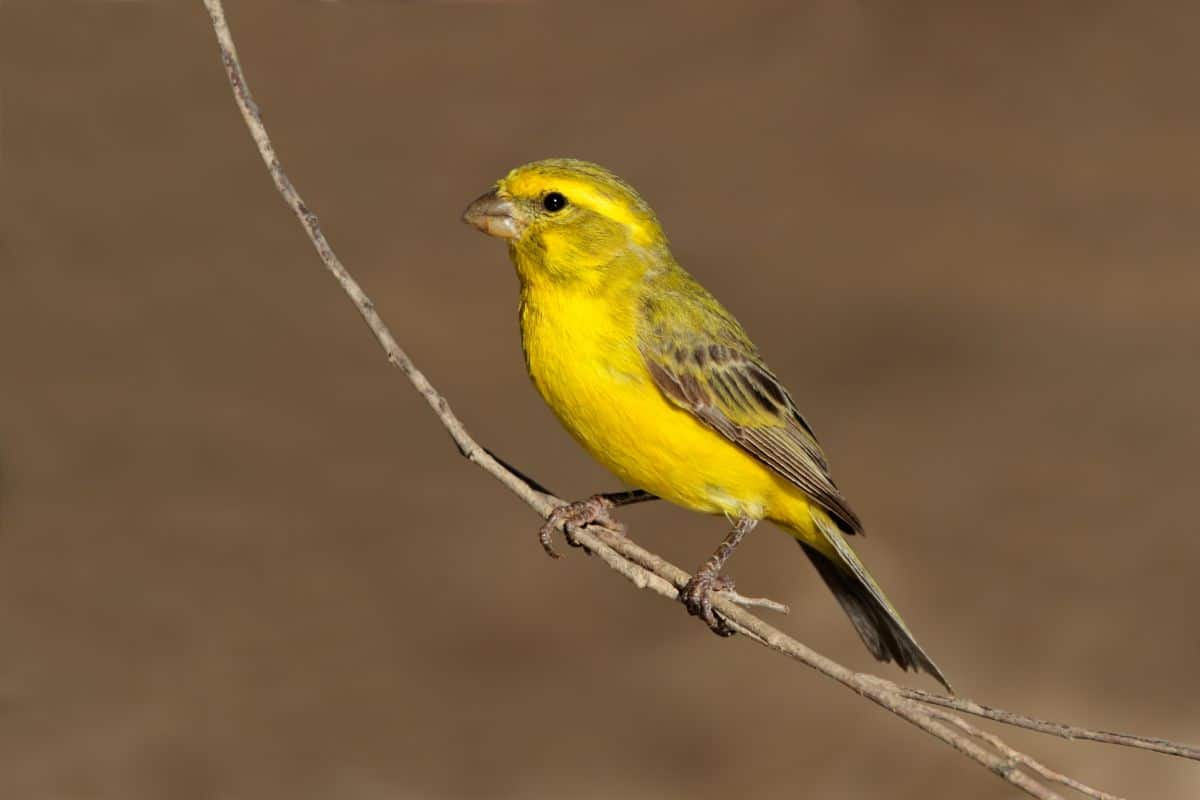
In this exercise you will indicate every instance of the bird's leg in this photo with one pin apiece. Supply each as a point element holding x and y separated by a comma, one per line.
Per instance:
<point>572,516</point>
<point>696,595</point>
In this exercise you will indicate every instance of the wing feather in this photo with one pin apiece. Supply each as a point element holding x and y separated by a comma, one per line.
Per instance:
<point>728,388</point>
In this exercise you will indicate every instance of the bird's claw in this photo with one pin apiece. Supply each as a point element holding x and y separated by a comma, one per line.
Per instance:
<point>597,509</point>
<point>696,596</point>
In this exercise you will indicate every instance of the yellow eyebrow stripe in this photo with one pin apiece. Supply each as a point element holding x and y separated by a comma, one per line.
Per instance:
<point>585,194</point>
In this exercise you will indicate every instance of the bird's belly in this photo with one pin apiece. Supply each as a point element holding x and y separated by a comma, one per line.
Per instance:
<point>604,397</point>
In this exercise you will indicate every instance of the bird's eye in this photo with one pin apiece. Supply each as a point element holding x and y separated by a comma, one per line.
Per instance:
<point>554,201</point>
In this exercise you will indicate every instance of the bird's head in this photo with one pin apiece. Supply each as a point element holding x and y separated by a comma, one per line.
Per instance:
<point>565,220</point>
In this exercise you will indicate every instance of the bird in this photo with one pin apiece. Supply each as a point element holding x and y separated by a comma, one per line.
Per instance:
<point>658,382</point>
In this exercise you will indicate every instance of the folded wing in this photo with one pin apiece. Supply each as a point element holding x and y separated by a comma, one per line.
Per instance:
<point>726,386</point>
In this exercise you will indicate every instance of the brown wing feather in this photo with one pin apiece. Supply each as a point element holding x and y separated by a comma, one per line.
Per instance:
<point>735,394</point>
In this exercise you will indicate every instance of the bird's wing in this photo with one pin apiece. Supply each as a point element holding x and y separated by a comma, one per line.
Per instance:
<point>724,384</point>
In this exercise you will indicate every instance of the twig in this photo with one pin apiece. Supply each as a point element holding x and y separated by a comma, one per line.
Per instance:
<point>757,602</point>
<point>1059,729</point>
<point>647,570</point>
<point>1016,757</point>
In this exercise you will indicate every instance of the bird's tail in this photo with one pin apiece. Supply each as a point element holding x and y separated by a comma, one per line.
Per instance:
<point>877,622</point>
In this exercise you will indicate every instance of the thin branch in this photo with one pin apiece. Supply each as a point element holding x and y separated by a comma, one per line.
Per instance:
<point>881,691</point>
<point>1059,729</point>
<point>647,570</point>
<point>1017,757</point>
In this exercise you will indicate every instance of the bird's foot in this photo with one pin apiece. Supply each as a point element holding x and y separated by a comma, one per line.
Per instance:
<point>596,510</point>
<point>696,597</point>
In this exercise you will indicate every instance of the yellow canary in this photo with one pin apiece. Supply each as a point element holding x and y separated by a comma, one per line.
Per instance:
<point>663,387</point>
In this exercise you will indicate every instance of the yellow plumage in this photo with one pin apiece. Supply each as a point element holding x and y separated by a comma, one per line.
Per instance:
<point>601,390</point>
<point>660,384</point>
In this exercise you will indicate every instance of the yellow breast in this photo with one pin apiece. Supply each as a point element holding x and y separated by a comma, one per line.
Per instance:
<point>581,351</point>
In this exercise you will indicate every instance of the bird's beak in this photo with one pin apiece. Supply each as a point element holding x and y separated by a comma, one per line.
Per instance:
<point>495,216</point>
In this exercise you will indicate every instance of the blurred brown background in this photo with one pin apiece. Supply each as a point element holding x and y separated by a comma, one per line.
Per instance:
<point>238,558</point>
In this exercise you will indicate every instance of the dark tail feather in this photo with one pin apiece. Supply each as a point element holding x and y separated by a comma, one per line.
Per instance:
<point>877,623</point>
